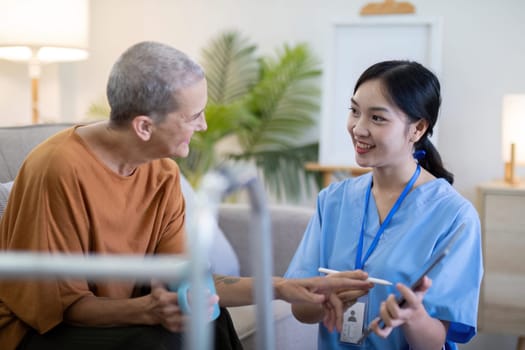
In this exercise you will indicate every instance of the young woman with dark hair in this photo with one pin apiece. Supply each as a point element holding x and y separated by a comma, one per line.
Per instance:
<point>392,221</point>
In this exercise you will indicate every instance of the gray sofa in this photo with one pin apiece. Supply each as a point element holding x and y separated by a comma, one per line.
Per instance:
<point>288,224</point>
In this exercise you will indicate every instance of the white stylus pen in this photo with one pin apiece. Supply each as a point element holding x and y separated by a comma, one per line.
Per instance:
<point>369,279</point>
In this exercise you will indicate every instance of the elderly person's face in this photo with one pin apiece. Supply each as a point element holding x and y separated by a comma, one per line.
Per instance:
<point>172,136</point>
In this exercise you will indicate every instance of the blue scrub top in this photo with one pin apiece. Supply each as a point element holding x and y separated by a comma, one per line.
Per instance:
<point>427,217</point>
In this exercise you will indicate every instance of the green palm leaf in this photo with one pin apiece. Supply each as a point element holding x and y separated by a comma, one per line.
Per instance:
<point>231,67</point>
<point>267,105</point>
<point>285,100</point>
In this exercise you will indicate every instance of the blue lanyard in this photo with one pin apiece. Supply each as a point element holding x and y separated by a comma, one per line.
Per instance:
<point>359,264</point>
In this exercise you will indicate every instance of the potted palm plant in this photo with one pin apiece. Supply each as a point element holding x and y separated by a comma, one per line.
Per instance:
<point>264,106</point>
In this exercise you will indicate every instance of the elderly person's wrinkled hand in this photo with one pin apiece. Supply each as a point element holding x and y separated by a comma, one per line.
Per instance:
<point>164,308</point>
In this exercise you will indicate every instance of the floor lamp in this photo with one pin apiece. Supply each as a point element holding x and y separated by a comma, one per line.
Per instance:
<point>39,32</point>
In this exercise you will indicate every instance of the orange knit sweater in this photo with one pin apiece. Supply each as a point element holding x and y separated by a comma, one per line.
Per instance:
<point>65,200</point>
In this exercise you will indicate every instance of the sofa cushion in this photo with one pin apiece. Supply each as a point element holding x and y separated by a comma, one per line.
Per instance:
<point>289,333</point>
<point>222,257</point>
<point>244,318</point>
<point>288,224</point>
<point>17,141</point>
<point>4,195</point>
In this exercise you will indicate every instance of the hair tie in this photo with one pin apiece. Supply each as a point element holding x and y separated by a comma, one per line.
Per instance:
<point>419,154</point>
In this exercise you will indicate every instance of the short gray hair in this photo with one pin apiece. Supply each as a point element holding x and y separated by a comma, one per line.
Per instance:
<point>145,79</point>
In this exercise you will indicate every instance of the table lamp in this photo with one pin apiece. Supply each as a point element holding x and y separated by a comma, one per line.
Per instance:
<point>513,128</point>
<point>38,32</point>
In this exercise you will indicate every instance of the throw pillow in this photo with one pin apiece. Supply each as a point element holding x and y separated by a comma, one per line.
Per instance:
<point>8,185</point>
<point>4,195</point>
<point>222,257</point>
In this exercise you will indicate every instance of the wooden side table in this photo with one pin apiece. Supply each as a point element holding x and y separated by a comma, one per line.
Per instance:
<point>502,304</point>
<point>328,171</point>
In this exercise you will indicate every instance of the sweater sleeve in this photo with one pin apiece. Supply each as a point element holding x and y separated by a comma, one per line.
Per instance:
<point>173,236</point>
<point>65,226</point>
<point>44,221</point>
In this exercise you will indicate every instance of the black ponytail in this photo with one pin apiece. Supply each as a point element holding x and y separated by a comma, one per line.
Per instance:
<point>432,160</point>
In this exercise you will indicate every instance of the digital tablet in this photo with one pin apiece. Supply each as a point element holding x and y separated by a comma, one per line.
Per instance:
<point>433,262</point>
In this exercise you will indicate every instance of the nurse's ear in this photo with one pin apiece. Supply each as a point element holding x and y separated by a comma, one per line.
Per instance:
<point>418,129</point>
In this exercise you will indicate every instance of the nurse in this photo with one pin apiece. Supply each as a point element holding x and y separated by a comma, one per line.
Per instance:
<point>391,221</point>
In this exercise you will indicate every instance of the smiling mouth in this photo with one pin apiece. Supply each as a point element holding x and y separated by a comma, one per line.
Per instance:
<point>362,147</point>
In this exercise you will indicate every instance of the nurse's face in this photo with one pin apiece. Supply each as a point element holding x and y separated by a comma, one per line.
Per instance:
<point>380,131</point>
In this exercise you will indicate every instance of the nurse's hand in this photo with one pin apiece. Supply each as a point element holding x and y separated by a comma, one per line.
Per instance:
<point>318,290</point>
<point>337,302</point>
<point>349,296</point>
<point>394,315</point>
<point>317,299</point>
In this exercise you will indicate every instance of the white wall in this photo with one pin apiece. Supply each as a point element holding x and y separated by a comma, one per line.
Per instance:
<point>483,55</point>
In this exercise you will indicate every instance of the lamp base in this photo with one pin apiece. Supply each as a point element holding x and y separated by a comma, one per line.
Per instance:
<point>510,166</point>
<point>510,176</point>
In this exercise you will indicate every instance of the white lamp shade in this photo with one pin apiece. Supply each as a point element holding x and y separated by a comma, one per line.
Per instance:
<point>47,30</point>
<point>513,126</point>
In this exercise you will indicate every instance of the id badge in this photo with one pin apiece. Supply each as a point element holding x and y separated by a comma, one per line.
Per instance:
<point>354,321</point>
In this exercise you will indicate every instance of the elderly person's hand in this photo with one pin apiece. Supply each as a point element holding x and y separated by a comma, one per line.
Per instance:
<point>165,310</point>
